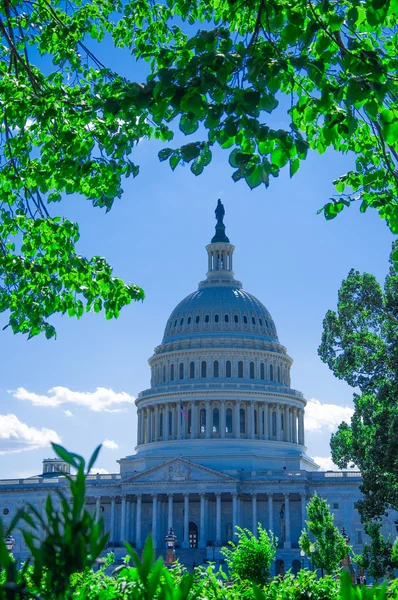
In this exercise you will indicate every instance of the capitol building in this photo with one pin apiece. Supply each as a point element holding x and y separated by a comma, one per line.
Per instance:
<point>220,439</point>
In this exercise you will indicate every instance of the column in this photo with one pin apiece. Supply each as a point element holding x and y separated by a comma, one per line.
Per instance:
<point>270,513</point>
<point>112,524</point>
<point>193,420</point>
<point>97,509</point>
<point>270,425</point>
<point>166,423</point>
<point>138,427</point>
<point>254,511</point>
<point>237,421</point>
<point>294,416</point>
<point>218,517</point>
<point>128,521</point>
<point>222,419</point>
<point>156,432</point>
<point>287,423</point>
<point>148,425</point>
<point>303,510</point>
<point>154,520</point>
<point>179,421</point>
<point>234,515</point>
<point>185,543</point>
<point>278,422</point>
<point>142,426</point>
<point>208,419</point>
<point>301,428</point>
<point>173,422</point>
<point>138,542</point>
<point>288,543</point>
<point>251,431</point>
<point>202,541</point>
<point>169,511</point>
<point>123,520</point>
<point>132,521</point>
<point>266,421</point>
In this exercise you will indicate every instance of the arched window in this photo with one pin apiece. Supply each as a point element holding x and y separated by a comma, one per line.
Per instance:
<point>271,373</point>
<point>228,420</point>
<point>262,371</point>
<point>202,420</point>
<point>189,320</point>
<point>266,322</point>
<point>260,321</point>
<point>182,321</point>
<point>228,369</point>
<point>216,318</point>
<point>189,420</point>
<point>226,318</point>
<point>197,319</point>
<point>164,373</point>
<point>192,370</point>
<point>203,369</point>
<point>242,420</point>
<point>253,320</point>
<point>181,374</point>
<point>216,420</point>
<point>161,425</point>
<point>207,318</point>
<point>274,424</point>
<point>175,323</point>
<point>216,369</point>
<point>252,370</point>
<point>245,320</point>
<point>172,373</point>
<point>255,422</point>
<point>240,369</point>
<point>279,374</point>
<point>236,318</point>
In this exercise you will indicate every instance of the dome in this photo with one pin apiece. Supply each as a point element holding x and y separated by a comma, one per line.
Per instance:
<point>225,310</point>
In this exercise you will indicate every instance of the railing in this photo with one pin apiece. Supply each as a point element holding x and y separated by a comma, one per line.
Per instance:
<point>213,385</point>
<point>49,480</point>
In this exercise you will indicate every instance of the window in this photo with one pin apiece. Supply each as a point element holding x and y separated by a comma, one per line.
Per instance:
<point>260,321</point>
<point>172,373</point>
<point>189,320</point>
<point>358,537</point>
<point>203,369</point>
<point>274,424</point>
<point>242,420</point>
<point>279,374</point>
<point>207,318</point>
<point>335,505</point>
<point>197,319</point>
<point>216,420</point>
<point>216,318</point>
<point>240,369</point>
<point>216,370</point>
<point>262,371</point>
<point>271,373</point>
<point>253,320</point>
<point>245,320</point>
<point>255,422</point>
<point>170,422</point>
<point>202,419</point>
<point>226,318</point>
<point>252,370</point>
<point>161,425</point>
<point>228,369</point>
<point>282,422</point>
<point>228,420</point>
<point>236,318</point>
<point>5,511</point>
<point>175,323</point>
<point>182,321</point>
<point>192,370</point>
<point>181,374</point>
<point>266,322</point>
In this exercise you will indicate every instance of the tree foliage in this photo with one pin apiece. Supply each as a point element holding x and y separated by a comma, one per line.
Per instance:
<point>330,547</point>
<point>251,557</point>
<point>217,70</point>
<point>360,346</point>
<point>379,555</point>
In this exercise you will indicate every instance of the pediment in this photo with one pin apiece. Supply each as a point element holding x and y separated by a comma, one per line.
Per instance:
<point>179,470</point>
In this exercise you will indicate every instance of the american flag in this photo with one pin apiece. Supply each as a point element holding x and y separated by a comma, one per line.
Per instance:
<point>183,412</point>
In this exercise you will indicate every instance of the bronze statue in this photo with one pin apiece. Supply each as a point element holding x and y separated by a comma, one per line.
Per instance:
<point>219,212</point>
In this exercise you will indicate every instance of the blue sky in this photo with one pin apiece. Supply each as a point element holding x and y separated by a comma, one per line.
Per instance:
<point>155,236</point>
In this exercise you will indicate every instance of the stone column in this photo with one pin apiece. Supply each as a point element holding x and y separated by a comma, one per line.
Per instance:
<point>278,422</point>
<point>218,517</point>
<point>202,541</point>
<point>270,513</point>
<point>301,428</point>
<point>132,521</point>
<point>179,421</point>
<point>166,423</point>
<point>222,419</point>
<point>155,520</point>
<point>147,425</point>
<point>112,525</point>
<point>170,511</point>
<point>138,542</point>
<point>234,515</point>
<point>303,509</point>
<point>266,421</point>
<point>254,511</point>
<point>185,543</point>
<point>294,416</point>
<point>128,520</point>
<point>288,543</point>
<point>123,520</point>
<point>208,419</point>
<point>156,436</point>
<point>193,420</point>
<point>252,430</point>
<point>287,423</point>
<point>173,422</point>
<point>138,427</point>
<point>237,421</point>
<point>97,509</point>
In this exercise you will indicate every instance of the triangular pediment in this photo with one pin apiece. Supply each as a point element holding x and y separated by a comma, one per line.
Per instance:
<point>179,470</point>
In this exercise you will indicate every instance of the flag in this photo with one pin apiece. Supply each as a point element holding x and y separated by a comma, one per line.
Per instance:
<point>183,412</point>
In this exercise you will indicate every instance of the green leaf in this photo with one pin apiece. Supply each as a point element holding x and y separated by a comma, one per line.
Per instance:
<point>188,124</point>
<point>190,151</point>
<point>164,154</point>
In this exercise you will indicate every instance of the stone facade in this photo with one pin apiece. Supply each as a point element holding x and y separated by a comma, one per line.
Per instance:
<point>220,437</point>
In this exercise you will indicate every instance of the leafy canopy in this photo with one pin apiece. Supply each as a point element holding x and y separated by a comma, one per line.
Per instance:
<point>360,346</point>
<point>218,69</point>
<point>379,555</point>
<point>330,546</point>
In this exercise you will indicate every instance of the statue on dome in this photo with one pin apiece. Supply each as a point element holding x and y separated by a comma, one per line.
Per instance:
<point>219,212</point>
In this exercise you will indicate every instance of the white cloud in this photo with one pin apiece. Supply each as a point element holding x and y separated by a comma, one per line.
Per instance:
<point>31,438</point>
<point>110,444</point>
<point>325,463</point>
<point>325,417</point>
<point>98,470</point>
<point>101,399</point>
<point>68,413</point>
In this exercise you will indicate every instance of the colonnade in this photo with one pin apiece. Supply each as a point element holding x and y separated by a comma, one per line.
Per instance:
<point>131,508</point>
<point>221,419</point>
